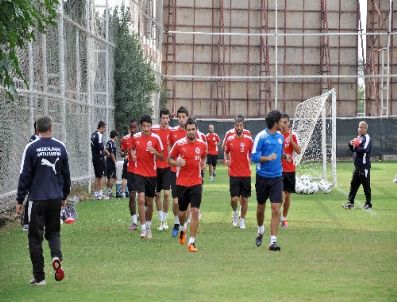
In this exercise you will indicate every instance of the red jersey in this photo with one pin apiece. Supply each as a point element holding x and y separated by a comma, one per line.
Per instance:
<point>176,134</point>
<point>145,164</point>
<point>125,146</point>
<point>163,134</point>
<point>289,165</point>
<point>239,150</point>
<point>193,152</point>
<point>233,131</point>
<point>212,142</point>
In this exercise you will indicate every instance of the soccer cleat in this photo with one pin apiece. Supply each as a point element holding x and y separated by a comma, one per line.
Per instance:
<point>59,272</point>
<point>368,206</point>
<point>274,247</point>
<point>165,225</point>
<point>182,238</point>
<point>259,240</point>
<point>149,234</point>
<point>133,227</point>
<point>284,224</point>
<point>35,282</point>
<point>143,233</point>
<point>191,248</point>
<point>242,225</point>
<point>175,230</point>
<point>348,205</point>
<point>235,220</point>
<point>161,226</point>
<point>25,227</point>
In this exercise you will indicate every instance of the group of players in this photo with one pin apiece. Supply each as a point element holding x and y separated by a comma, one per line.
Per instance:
<point>159,158</point>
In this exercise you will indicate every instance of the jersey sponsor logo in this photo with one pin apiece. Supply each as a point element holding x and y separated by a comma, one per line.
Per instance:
<point>197,150</point>
<point>45,162</point>
<point>242,145</point>
<point>280,141</point>
<point>148,145</point>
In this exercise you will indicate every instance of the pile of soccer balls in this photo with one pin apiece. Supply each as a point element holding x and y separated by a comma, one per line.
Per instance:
<point>305,185</point>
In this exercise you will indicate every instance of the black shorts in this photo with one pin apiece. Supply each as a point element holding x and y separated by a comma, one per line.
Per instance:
<point>163,179</point>
<point>130,181</point>
<point>173,184</point>
<point>212,160</point>
<point>110,169</point>
<point>125,171</point>
<point>271,188</point>
<point>289,181</point>
<point>99,167</point>
<point>190,195</point>
<point>240,186</point>
<point>143,184</point>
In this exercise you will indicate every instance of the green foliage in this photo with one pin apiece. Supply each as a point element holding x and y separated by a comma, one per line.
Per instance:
<point>19,19</point>
<point>163,101</point>
<point>134,78</point>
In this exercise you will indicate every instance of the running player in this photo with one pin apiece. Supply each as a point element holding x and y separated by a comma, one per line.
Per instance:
<point>188,155</point>
<point>145,148</point>
<point>111,162</point>
<point>212,157</point>
<point>238,149</point>
<point>98,159</point>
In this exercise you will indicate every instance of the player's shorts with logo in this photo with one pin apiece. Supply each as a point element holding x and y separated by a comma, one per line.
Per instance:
<point>110,169</point>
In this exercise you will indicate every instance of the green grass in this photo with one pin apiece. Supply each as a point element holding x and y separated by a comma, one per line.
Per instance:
<point>328,253</point>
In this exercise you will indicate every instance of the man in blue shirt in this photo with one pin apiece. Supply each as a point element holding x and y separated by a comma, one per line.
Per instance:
<point>267,154</point>
<point>45,176</point>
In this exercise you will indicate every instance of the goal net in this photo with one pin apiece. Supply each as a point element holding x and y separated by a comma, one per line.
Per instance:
<point>315,125</point>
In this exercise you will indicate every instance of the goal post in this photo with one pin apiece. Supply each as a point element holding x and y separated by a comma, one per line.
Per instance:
<point>315,125</point>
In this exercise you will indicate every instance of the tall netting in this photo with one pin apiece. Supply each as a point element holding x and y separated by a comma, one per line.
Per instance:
<point>70,78</point>
<point>315,125</point>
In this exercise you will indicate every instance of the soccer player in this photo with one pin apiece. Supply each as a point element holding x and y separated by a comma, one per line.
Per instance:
<point>163,170</point>
<point>45,176</point>
<point>212,157</point>
<point>98,159</point>
<point>145,148</point>
<point>233,131</point>
<point>291,146</point>
<point>361,148</point>
<point>125,146</point>
<point>188,155</point>
<point>267,154</point>
<point>176,134</point>
<point>238,149</point>
<point>111,162</point>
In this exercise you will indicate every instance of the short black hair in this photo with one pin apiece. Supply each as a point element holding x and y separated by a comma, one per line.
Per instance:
<point>239,118</point>
<point>164,111</point>
<point>182,110</point>
<point>132,121</point>
<point>43,124</point>
<point>272,118</point>
<point>145,118</point>
<point>284,115</point>
<point>101,124</point>
<point>35,126</point>
<point>113,134</point>
<point>191,121</point>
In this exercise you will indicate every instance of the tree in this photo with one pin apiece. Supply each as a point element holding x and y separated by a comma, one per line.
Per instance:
<point>19,19</point>
<point>134,78</point>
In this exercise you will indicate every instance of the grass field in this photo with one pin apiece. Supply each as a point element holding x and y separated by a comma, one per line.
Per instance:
<point>328,253</point>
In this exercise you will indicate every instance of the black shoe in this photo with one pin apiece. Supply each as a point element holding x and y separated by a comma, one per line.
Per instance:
<point>368,206</point>
<point>348,205</point>
<point>274,247</point>
<point>259,239</point>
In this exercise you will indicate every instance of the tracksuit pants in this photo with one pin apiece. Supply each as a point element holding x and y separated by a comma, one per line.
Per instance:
<point>360,177</point>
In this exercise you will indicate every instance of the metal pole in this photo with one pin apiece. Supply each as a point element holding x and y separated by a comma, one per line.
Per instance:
<point>276,58</point>
<point>78,66</point>
<point>44,68</point>
<point>31,82</point>
<point>61,56</point>
<point>107,62</point>
<point>324,136</point>
<point>89,92</point>
<point>333,147</point>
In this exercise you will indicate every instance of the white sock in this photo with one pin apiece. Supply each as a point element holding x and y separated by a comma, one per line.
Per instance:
<point>100,193</point>
<point>183,228</point>
<point>242,220</point>
<point>176,220</point>
<point>143,227</point>
<point>283,218</point>
<point>261,229</point>
<point>134,219</point>
<point>165,216</point>
<point>148,224</point>
<point>273,239</point>
<point>235,213</point>
<point>160,215</point>
<point>192,240</point>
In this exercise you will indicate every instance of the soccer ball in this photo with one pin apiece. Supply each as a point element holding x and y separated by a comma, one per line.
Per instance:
<point>395,180</point>
<point>324,186</point>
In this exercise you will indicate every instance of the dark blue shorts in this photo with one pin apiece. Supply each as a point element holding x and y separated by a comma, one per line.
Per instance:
<point>271,188</point>
<point>190,195</point>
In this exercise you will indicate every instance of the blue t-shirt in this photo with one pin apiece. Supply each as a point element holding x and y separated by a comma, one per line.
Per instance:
<point>265,144</point>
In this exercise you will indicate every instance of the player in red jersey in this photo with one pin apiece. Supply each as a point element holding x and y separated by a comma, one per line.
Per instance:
<point>147,147</point>
<point>176,134</point>
<point>212,157</point>
<point>291,146</point>
<point>188,155</point>
<point>238,149</point>
<point>233,131</point>
<point>128,173</point>
<point>163,170</point>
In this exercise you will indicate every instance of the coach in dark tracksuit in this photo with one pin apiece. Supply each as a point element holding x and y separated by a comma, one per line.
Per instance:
<point>45,176</point>
<point>361,146</point>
